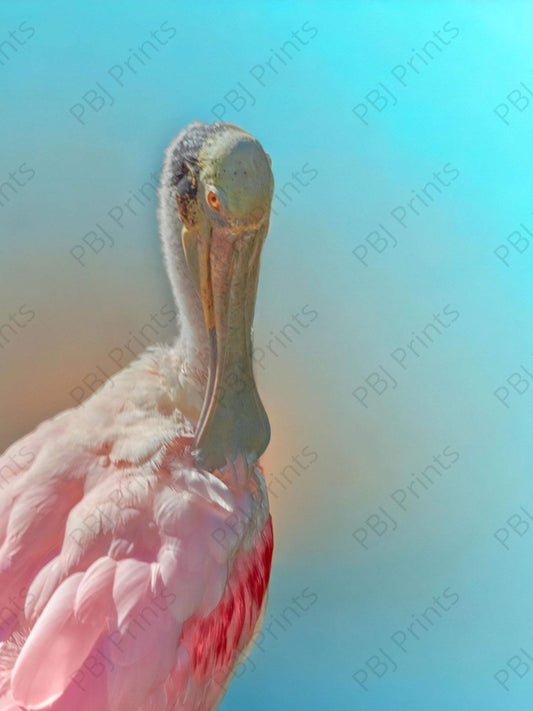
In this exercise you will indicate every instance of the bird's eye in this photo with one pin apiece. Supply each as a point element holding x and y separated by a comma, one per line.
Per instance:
<point>213,200</point>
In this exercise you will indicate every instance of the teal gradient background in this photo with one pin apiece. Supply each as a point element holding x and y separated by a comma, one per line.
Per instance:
<point>325,321</point>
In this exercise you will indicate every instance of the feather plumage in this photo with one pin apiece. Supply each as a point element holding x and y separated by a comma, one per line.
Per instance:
<point>134,572</point>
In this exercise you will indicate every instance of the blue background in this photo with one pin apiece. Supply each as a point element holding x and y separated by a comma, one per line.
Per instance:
<point>345,156</point>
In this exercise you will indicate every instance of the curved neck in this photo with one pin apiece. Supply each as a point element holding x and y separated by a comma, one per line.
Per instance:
<point>192,341</point>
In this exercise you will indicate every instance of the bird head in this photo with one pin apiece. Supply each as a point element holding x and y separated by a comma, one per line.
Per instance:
<point>223,187</point>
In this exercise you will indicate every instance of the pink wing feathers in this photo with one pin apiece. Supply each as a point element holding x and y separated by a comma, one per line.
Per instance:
<point>124,585</point>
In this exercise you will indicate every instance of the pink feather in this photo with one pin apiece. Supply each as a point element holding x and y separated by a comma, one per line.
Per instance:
<point>129,589</point>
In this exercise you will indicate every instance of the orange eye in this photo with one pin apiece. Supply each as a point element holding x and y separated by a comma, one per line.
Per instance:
<point>212,199</point>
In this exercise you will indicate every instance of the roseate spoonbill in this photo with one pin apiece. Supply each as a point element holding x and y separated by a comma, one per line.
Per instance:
<point>137,540</point>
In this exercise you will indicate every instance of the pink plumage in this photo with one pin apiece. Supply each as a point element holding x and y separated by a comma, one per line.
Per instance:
<point>136,539</point>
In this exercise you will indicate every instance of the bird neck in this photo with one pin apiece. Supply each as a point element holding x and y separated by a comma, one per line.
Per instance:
<point>192,342</point>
